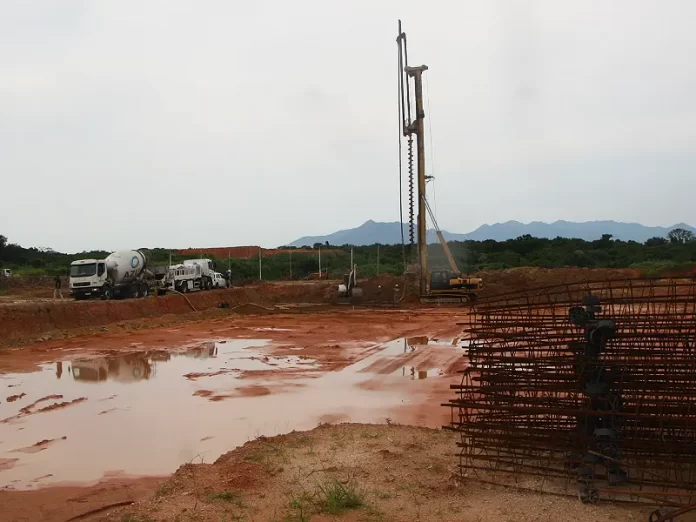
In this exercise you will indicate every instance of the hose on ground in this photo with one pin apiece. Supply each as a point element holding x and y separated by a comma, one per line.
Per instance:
<point>187,299</point>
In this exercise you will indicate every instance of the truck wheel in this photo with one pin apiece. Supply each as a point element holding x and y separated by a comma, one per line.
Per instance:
<point>135,292</point>
<point>184,287</point>
<point>107,294</point>
<point>144,291</point>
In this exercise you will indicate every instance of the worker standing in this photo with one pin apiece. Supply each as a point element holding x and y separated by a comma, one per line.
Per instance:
<point>56,288</point>
<point>228,278</point>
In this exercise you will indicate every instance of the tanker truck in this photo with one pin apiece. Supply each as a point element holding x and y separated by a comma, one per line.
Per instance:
<point>125,273</point>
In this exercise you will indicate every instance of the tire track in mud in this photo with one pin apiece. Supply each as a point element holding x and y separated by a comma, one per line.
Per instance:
<point>30,409</point>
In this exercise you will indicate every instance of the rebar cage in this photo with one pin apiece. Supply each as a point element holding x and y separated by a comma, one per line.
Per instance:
<point>586,389</point>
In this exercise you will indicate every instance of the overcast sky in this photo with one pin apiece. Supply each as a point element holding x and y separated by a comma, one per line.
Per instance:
<point>173,123</point>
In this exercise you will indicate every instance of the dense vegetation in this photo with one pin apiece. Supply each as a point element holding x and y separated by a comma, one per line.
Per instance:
<point>676,250</point>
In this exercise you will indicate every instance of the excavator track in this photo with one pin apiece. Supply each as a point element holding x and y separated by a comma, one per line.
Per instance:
<point>446,299</point>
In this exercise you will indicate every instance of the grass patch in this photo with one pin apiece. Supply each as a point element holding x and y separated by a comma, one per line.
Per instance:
<point>333,498</point>
<point>232,497</point>
<point>256,457</point>
<point>267,455</point>
<point>3,292</point>
<point>301,507</point>
<point>299,441</point>
<point>336,497</point>
<point>162,490</point>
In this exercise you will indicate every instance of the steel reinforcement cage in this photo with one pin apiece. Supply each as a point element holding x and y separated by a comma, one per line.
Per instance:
<point>585,389</point>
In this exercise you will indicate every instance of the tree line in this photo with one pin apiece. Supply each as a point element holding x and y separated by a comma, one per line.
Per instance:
<point>678,249</point>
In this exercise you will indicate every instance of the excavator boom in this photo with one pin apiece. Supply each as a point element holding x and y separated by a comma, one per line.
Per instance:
<point>450,257</point>
<point>448,253</point>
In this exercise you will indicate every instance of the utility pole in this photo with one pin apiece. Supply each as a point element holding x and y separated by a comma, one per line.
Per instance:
<point>377,258</point>
<point>260,278</point>
<point>290,264</point>
<point>319,262</point>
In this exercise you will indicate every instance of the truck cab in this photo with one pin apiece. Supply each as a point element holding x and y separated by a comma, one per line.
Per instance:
<point>6,272</point>
<point>207,265</point>
<point>87,277</point>
<point>205,280</point>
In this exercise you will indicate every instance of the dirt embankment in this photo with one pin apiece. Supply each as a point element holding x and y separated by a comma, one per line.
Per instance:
<point>349,472</point>
<point>29,286</point>
<point>31,320</point>
<point>525,278</point>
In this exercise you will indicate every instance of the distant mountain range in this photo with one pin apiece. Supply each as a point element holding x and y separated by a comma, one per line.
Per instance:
<point>372,232</point>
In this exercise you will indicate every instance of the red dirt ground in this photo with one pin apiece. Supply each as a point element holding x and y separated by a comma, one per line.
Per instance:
<point>133,325</point>
<point>399,474</point>
<point>309,330</point>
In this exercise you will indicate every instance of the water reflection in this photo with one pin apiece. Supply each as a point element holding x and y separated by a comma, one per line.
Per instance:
<point>415,341</point>
<point>141,366</point>
<point>411,344</point>
<point>203,351</point>
<point>152,411</point>
<point>124,368</point>
<point>414,373</point>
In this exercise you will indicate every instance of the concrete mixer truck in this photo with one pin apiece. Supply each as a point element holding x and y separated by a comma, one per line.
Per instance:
<point>122,274</point>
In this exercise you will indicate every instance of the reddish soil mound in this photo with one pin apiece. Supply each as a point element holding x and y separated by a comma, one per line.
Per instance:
<point>686,271</point>
<point>396,473</point>
<point>525,278</point>
<point>29,286</point>
<point>382,288</point>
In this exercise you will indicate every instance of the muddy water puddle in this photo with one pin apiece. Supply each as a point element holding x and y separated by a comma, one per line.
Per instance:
<point>147,412</point>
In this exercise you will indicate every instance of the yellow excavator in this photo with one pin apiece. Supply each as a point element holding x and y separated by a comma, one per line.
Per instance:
<point>450,285</point>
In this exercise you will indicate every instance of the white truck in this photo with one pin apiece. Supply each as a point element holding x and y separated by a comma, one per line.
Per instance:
<point>192,274</point>
<point>122,274</point>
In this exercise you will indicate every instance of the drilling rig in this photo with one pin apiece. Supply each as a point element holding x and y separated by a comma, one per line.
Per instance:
<point>443,286</point>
